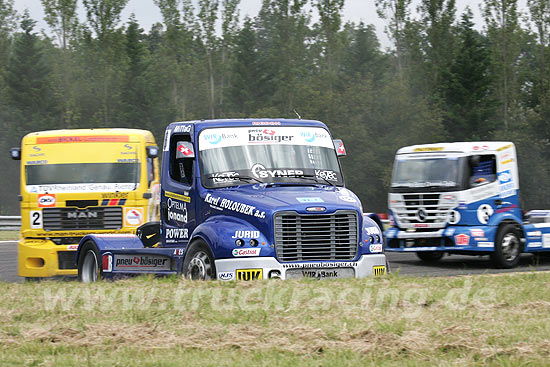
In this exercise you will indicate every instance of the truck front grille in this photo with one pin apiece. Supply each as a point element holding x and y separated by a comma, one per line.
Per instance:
<point>63,219</point>
<point>314,237</point>
<point>417,210</point>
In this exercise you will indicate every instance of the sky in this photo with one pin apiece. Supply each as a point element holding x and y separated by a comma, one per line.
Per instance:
<point>147,12</point>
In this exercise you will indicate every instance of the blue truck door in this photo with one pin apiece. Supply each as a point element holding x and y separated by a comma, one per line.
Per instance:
<point>177,198</point>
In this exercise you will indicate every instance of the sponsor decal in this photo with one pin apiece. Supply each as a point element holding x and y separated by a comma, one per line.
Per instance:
<point>348,199</point>
<point>326,175</point>
<point>480,147</point>
<point>240,252</point>
<point>267,136</point>
<point>246,234</point>
<point>183,128</point>
<point>226,275</point>
<point>504,147</point>
<point>485,244</point>
<point>178,252</point>
<point>428,149</point>
<point>133,217</point>
<point>484,212</point>
<point>107,261</point>
<point>462,205</point>
<point>310,200</point>
<point>177,211</point>
<point>481,239</point>
<point>378,270</point>
<point>115,195</point>
<point>372,230</point>
<point>507,209</point>
<point>35,219</point>
<point>37,162</point>
<point>507,161</point>
<point>176,234</point>
<point>534,244</point>
<point>225,177</point>
<point>506,184</point>
<point>84,139</point>
<point>375,248</point>
<point>477,232</point>
<point>320,265</point>
<point>235,206</point>
<point>249,274</point>
<point>546,240</point>
<point>99,187</point>
<point>454,217</point>
<point>259,171</point>
<point>129,160</point>
<point>173,195</point>
<point>37,152</point>
<point>534,234</point>
<point>141,262</point>
<point>462,239</point>
<point>166,143</point>
<point>212,138</point>
<point>113,202</point>
<point>310,136</point>
<point>72,247</point>
<point>264,123</point>
<point>46,200</point>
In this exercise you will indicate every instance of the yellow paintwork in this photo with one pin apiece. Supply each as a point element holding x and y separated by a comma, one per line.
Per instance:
<point>37,255</point>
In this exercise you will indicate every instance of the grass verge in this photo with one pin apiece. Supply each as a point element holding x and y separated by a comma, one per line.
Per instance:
<point>392,321</point>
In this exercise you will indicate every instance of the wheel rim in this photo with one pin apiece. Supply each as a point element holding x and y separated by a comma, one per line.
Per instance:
<point>510,247</point>
<point>89,267</point>
<point>200,267</point>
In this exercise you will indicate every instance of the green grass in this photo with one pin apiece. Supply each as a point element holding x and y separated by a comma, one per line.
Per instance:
<point>9,235</point>
<point>393,321</point>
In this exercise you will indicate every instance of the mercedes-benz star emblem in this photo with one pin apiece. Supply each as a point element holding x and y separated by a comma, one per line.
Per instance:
<point>421,215</point>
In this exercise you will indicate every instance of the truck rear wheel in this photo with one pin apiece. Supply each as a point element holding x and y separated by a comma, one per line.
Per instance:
<point>507,247</point>
<point>199,262</point>
<point>430,256</point>
<point>89,269</point>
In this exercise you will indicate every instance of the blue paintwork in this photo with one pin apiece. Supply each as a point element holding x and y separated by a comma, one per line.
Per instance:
<point>218,227</point>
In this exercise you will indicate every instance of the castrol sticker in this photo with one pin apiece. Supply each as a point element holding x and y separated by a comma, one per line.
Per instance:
<point>133,217</point>
<point>238,252</point>
<point>46,200</point>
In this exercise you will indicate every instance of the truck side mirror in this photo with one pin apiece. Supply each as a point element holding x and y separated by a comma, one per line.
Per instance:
<point>152,151</point>
<point>185,150</point>
<point>340,148</point>
<point>15,154</point>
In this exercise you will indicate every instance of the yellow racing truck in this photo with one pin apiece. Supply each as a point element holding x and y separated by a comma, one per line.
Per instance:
<point>76,182</point>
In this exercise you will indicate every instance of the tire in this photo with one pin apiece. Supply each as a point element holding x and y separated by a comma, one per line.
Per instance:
<point>508,247</point>
<point>89,269</point>
<point>199,262</point>
<point>430,256</point>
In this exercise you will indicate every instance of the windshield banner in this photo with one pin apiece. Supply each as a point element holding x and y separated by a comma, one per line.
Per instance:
<point>230,137</point>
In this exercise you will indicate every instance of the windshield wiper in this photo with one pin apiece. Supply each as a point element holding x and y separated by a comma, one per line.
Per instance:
<point>233,179</point>
<point>316,179</point>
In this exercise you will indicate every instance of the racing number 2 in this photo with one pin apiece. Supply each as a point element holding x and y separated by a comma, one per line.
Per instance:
<point>36,218</point>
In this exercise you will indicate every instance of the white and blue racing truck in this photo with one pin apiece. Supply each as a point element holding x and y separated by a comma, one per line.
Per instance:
<point>462,198</point>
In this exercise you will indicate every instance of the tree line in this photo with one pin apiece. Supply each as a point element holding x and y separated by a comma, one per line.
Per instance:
<point>442,79</point>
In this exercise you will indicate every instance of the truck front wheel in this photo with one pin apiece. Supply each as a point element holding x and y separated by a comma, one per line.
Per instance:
<point>430,256</point>
<point>507,247</point>
<point>88,264</point>
<point>199,262</point>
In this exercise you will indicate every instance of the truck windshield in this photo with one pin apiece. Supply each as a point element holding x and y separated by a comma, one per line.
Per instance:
<point>426,174</point>
<point>276,154</point>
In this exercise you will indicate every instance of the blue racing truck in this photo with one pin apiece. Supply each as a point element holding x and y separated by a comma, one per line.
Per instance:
<point>246,199</point>
<point>462,198</point>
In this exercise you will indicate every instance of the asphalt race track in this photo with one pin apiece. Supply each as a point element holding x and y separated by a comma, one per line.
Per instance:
<point>405,264</point>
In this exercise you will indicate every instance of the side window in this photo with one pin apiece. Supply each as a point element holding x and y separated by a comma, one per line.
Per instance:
<point>181,159</point>
<point>482,169</point>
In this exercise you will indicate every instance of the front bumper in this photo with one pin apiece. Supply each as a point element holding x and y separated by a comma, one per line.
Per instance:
<point>478,239</point>
<point>43,258</point>
<point>269,267</point>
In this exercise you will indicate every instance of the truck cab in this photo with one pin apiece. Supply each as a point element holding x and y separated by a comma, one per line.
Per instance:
<point>82,181</point>
<point>460,198</point>
<point>246,199</point>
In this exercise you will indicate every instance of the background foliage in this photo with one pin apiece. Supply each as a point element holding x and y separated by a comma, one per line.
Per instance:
<point>442,80</point>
